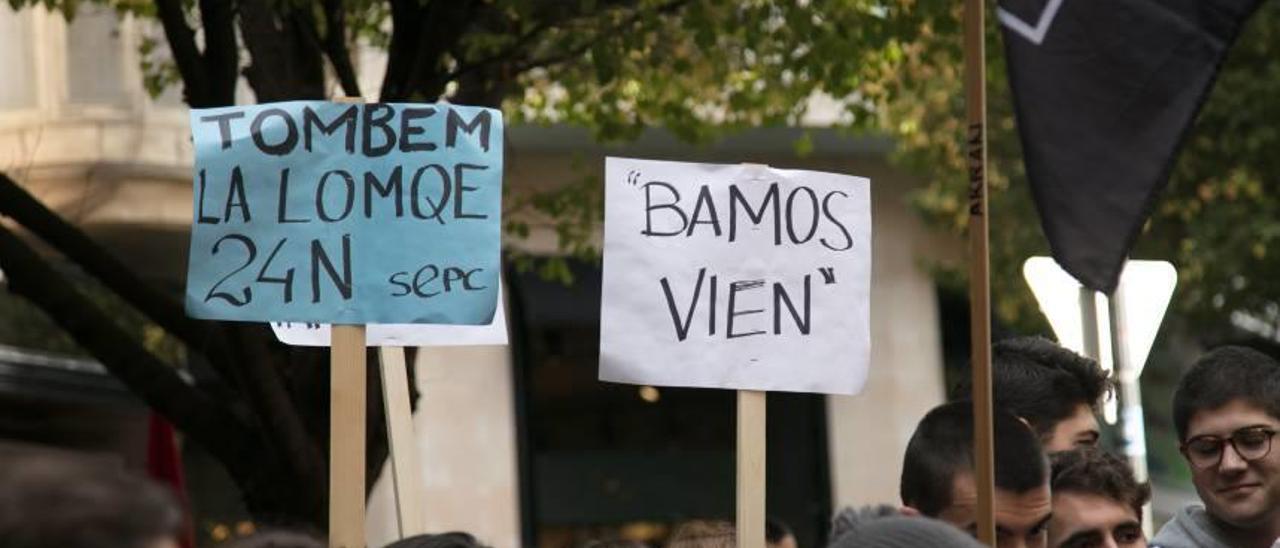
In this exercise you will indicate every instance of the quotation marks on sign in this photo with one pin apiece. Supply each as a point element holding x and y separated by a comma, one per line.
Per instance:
<point>739,298</point>
<point>633,177</point>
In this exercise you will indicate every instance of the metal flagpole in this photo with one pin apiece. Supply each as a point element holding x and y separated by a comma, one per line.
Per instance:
<point>1132,427</point>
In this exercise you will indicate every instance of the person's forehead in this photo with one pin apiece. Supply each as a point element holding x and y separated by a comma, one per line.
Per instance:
<point>1080,419</point>
<point>1021,511</point>
<point>1090,508</point>
<point>1223,420</point>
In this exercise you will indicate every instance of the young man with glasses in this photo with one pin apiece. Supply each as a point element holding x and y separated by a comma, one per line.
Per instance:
<point>1227,411</point>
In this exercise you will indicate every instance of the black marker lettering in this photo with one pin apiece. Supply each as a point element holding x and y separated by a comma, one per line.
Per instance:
<point>379,116</point>
<point>826,211</point>
<point>283,204</point>
<point>459,190</point>
<point>348,118</point>
<point>682,327</point>
<point>408,130</point>
<point>416,197</point>
<point>756,216</point>
<point>235,197</point>
<point>349,183</point>
<point>649,209</point>
<point>704,198</point>
<point>482,121</point>
<point>224,125</point>
<point>734,288</point>
<point>290,136</point>
<point>780,296</point>
<point>201,218</point>
<point>394,185</point>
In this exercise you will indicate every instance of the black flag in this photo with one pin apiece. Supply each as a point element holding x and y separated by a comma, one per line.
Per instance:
<point>1104,92</point>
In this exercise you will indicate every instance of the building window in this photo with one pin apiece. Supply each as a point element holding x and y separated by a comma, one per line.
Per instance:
<point>17,61</point>
<point>95,58</point>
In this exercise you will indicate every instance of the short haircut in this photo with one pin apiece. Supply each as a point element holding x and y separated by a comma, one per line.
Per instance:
<point>704,534</point>
<point>60,502</point>
<point>1040,381</point>
<point>942,448</point>
<point>453,539</point>
<point>278,538</point>
<point>1092,471</point>
<point>775,530</point>
<point>1223,375</point>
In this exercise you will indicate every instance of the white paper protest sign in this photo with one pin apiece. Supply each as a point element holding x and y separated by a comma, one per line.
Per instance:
<point>410,334</point>
<point>735,276</point>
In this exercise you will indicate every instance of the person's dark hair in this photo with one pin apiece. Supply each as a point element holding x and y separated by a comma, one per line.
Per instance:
<point>879,527</point>
<point>1092,471</point>
<point>454,539</point>
<point>1225,374</point>
<point>1040,381</point>
<point>704,534</point>
<point>942,448</point>
<point>278,538</point>
<point>775,530</point>
<point>55,502</point>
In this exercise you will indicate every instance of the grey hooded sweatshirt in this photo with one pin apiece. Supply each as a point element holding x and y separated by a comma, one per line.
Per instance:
<point>1191,527</point>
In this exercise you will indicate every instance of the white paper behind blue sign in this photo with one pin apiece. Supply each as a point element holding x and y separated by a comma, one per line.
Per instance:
<point>397,334</point>
<point>735,276</point>
<point>320,212</point>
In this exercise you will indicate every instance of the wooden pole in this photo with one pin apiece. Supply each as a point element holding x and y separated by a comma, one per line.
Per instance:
<point>751,460</point>
<point>346,437</point>
<point>347,393</point>
<point>405,474</point>
<point>975,75</point>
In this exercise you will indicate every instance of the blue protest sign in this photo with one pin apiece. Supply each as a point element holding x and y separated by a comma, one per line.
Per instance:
<point>309,211</point>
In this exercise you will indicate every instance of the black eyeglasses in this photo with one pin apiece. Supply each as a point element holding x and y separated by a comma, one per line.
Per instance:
<point>1251,443</point>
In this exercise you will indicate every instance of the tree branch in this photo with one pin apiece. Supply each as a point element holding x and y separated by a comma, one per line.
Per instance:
<point>406,17</point>
<point>578,51</point>
<point>335,46</point>
<point>285,66</point>
<point>221,53</point>
<point>419,40</point>
<point>272,404</point>
<point>203,337</point>
<point>182,43</point>
<point>212,425</point>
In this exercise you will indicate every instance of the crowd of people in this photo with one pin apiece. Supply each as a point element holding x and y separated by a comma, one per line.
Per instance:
<point>1053,486</point>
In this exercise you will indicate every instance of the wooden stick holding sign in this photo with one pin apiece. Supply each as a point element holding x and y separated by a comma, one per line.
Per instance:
<point>975,76</point>
<point>751,468</point>
<point>347,397</point>
<point>740,277</point>
<point>346,437</point>
<point>405,475</point>
<point>752,419</point>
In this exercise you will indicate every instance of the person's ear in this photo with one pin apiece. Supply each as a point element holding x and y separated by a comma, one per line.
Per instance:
<point>909,511</point>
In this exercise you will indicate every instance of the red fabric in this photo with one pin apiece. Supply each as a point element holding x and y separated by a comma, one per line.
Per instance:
<point>164,464</point>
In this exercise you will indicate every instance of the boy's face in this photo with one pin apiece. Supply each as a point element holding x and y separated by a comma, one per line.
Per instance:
<point>1021,518</point>
<point>1086,520</point>
<point>1240,492</point>
<point>1079,430</point>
